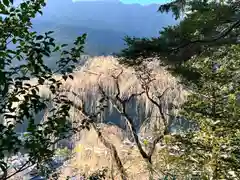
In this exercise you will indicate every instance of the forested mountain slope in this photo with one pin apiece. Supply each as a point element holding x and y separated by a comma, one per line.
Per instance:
<point>105,22</point>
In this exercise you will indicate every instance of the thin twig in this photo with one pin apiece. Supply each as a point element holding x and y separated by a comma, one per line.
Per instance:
<point>92,119</point>
<point>22,168</point>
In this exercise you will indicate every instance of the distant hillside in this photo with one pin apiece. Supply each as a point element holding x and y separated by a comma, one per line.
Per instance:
<point>106,22</point>
<point>99,42</point>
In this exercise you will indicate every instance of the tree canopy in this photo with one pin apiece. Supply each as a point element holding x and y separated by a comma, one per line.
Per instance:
<point>212,151</point>
<point>21,59</point>
<point>204,25</point>
<point>203,49</point>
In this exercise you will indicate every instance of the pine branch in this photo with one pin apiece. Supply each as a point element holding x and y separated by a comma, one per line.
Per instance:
<point>221,35</point>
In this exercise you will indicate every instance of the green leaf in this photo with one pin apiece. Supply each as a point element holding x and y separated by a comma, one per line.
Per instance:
<point>40,12</point>
<point>64,45</point>
<point>57,48</point>
<point>14,41</point>
<point>166,177</point>
<point>49,32</point>
<point>2,8</point>
<point>23,5</point>
<point>6,2</point>
<point>40,37</point>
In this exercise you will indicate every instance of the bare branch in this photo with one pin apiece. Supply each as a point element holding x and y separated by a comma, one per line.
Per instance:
<point>153,145</point>
<point>22,168</point>
<point>116,79</point>
<point>113,151</point>
<point>145,77</point>
<point>159,105</point>
<point>120,105</point>
<point>92,119</point>
<point>119,74</point>
<point>132,96</point>
<point>4,170</point>
<point>121,108</point>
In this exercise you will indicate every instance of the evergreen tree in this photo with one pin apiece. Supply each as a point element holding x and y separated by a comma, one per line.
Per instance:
<point>212,151</point>
<point>204,49</point>
<point>203,24</point>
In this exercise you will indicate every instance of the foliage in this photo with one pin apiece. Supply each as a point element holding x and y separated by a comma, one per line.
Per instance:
<point>207,35</point>
<point>97,175</point>
<point>204,24</point>
<point>100,174</point>
<point>204,49</point>
<point>63,152</point>
<point>20,100</point>
<point>214,106</point>
<point>211,151</point>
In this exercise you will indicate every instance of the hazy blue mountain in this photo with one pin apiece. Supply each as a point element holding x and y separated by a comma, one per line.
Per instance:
<point>106,22</point>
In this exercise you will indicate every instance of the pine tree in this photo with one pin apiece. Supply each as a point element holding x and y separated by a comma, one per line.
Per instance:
<point>213,150</point>
<point>202,24</point>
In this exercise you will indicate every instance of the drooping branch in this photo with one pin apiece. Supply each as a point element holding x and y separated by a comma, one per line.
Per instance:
<point>145,78</point>
<point>92,119</point>
<point>145,86</point>
<point>25,166</point>
<point>120,105</point>
<point>113,151</point>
